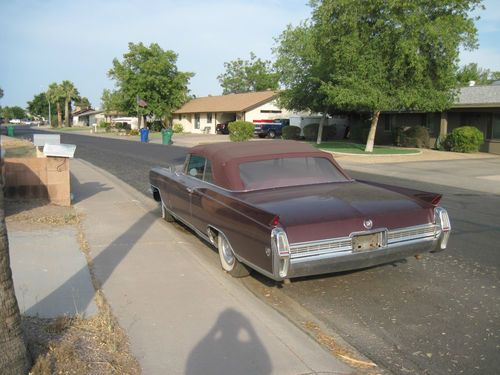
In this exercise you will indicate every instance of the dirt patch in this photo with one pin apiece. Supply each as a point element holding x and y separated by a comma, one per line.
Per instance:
<point>71,345</point>
<point>38,212</point>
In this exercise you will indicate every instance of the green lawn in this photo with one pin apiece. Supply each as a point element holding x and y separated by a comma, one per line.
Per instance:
<point>356,148</point>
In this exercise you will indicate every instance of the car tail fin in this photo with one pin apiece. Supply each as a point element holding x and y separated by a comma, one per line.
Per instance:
<point>431,198</point>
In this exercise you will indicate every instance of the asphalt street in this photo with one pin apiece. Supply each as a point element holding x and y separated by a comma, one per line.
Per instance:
<point>436,315</point>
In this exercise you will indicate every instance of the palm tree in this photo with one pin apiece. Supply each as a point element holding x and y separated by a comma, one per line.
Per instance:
<point>70,93</point>
<point>13,354</point>
<point>55,95</point>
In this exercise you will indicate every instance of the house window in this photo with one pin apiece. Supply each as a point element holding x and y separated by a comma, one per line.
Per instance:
<point>179,117</point>
<point>209,118</point>
<point>433,123</point>
<point>196,120</point>
<point>388,121</point>
<point>495,126</point>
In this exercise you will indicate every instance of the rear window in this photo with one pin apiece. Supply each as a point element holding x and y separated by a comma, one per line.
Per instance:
<point>281,172</point>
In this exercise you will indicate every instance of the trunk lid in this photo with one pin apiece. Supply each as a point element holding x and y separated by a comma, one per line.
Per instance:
<point>324,211</point>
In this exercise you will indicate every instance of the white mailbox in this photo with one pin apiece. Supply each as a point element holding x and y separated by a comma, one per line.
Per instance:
<point>62,150</point>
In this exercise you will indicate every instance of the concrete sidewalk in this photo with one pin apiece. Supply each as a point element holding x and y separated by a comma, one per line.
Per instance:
<point>183,315</point>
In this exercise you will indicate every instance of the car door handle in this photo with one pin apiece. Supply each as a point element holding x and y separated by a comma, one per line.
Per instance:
<point>190,190</point>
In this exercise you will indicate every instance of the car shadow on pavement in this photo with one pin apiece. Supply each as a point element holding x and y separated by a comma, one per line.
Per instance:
<point>106,262</point>
<point>230,347</point>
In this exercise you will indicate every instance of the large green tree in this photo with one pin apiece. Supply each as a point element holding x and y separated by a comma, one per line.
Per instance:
<point>70,93</point>
<point>82,102</point>
<point>56,96</point>
<point>299,66</point>
<point>39,105</point>
<point>248,75</point>
<point>390,55</point>
<point>472,72</point>
<point>149,75</point>
<point>14,112</point>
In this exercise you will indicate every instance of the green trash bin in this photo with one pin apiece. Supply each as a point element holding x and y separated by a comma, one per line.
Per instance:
<point>166,136</point>
<point>10,130</point>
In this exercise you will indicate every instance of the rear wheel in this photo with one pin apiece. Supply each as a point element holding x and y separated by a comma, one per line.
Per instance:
<point>271,134</point>
<point>228,260</point>
<point>165,215</point>
<point>262,135</point>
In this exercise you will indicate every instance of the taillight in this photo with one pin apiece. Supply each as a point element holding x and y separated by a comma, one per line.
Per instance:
<point>281,247</point>
<point>436,200</point>
<point>431,198</point>
<point>442,219</point>
<point>275,221</point>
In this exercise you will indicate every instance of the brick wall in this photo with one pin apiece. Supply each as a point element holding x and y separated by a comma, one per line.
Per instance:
<point>38,178</point>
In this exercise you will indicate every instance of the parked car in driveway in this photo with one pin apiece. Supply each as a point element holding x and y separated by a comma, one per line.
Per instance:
<point>286,209</point>
<point>222,128</point>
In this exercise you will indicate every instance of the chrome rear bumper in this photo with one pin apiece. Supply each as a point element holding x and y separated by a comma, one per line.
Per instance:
<point>349,260</point>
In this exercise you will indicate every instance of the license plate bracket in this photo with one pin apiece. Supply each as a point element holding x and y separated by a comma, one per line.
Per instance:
<point>367,242</point>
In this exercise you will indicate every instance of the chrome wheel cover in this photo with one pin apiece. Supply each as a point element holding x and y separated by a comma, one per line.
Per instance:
<point>227,253</point>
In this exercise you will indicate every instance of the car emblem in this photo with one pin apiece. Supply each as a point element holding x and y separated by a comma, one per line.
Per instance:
<point>368,224</point>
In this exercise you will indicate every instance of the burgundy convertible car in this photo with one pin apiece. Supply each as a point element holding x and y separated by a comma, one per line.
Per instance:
<point>286,209</point>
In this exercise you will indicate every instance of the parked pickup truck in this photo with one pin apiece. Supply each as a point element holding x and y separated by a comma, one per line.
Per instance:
<point>270,128</point>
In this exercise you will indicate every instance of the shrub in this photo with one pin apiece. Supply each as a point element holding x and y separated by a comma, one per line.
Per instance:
<point>156,126</point>
<point>291,132</point>
<point>177,128</point>
<point>415,136</point>
<point>240,131</point>
<point>104,124</point>
<point>311,132</point>
<point>464,139</point>
<point>134,132</point>
<point>122,126</point>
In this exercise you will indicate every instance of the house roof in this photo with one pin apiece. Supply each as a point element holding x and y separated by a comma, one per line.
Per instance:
<point>82,111</point>
<point>90,112</point>
<point>227,103</point>
<point>484,96</point>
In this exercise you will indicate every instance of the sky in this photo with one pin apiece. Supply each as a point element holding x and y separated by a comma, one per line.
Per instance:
<point>45,41</point>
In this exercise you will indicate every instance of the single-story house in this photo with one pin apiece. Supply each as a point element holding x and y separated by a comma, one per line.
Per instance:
<point>89,117</point>
<point>477,106</point>
<point>201,115</point>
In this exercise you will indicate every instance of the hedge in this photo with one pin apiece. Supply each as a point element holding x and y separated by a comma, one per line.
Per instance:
<point>311,132</point>
<point>415,136</point>
<point>240,130</point>
<point>291,132</point>
<point>464,139</point>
